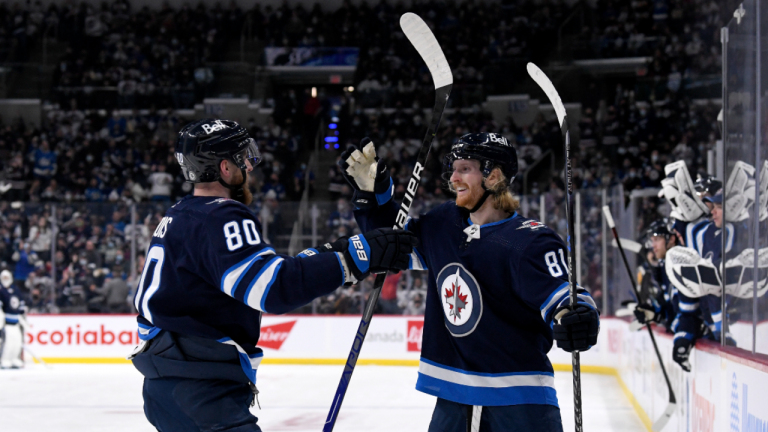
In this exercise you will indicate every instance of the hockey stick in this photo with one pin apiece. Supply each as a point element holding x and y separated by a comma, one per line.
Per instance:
<point>662,421</point>
<point>554,98</point>
<point>424,41</point>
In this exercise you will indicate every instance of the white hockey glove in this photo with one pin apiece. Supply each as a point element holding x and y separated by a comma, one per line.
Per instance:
<point>691,274</point>
<point>740,273</point>
<point>740,192</point>
<point>678,189</point>
<point>367,174</point>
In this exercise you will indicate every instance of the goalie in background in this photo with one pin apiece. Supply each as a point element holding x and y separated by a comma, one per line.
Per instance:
<point>12,321</point>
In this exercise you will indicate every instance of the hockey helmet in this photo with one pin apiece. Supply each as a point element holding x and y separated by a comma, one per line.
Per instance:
<point>659,228</point>
<point>203,144</point>
<point>707,184</point>
<point>492,150</point>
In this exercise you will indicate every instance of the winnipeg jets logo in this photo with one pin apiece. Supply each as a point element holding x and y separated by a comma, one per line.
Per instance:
<point>455,299</point>
<point>532,225</point>
<point>461,299</point>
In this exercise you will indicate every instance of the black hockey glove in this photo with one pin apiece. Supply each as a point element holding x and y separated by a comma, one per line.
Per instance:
<point>367,174</point>
<point>646,314</point>
<point>577,329</point>
<point>378,251</point>
<point>682,351</point>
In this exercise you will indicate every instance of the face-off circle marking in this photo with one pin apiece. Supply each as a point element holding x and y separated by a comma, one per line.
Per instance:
<point>460,298</point>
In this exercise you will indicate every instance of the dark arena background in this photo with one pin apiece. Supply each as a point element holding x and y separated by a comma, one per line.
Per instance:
<point>93,95</point>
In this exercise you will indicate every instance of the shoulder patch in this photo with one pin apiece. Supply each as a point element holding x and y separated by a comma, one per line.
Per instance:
<point>532,225</point>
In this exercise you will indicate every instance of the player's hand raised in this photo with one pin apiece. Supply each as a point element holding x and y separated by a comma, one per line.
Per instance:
<point>367,174</point>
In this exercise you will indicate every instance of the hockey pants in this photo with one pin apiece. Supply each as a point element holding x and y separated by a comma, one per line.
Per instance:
<point>186,405</point>
<point>194,385</point>
<point>452,417</point>
<point>12,345</point>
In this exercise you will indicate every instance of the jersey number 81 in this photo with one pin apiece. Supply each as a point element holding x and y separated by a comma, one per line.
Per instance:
<point>552,264</point>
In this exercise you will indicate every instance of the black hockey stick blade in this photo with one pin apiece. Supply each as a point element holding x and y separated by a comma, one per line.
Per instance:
<point>664,419</point>
<point>425,43</point>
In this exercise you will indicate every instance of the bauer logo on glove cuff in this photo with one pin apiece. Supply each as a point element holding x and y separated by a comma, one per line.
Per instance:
<point>359,249</point>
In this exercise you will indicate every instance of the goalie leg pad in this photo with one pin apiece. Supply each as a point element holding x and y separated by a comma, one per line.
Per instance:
<point>11,356</point>
<point>692,275</point>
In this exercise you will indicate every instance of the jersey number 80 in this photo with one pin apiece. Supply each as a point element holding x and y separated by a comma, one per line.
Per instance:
<point>235,240</point>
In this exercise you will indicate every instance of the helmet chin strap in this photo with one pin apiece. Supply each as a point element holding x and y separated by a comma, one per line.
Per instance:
<point>237,190</point>
<point>481,201</point>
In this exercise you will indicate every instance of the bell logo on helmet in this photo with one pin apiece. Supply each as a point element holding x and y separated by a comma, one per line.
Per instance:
<point>215,126</point>
<point>498,139</point>
<point>180,158</point>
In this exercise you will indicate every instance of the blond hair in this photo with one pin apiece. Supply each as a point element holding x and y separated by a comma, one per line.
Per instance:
<point>503,198</point>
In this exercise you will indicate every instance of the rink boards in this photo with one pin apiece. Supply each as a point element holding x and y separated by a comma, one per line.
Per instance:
<point>723,393</point>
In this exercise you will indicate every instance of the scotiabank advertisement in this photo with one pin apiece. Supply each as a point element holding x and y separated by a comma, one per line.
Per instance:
<point>89,337</point>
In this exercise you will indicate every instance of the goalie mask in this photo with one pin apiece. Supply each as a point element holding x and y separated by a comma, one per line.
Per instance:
<point>679,190</point>
<point>6,279</point>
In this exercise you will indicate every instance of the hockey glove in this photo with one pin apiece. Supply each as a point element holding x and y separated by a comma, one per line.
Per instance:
<point>367,175</point>
<point>681,351</point>
<point>376,251</point>
<point>646,314</point>
<point>577,329</point>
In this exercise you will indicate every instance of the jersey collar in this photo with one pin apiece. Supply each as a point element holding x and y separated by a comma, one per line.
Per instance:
<point>514,215</point>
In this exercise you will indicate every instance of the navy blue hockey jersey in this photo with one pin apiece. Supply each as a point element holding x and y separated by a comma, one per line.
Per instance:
<point>12,303</point>
<point>208,273</point>
<point>489,307</point>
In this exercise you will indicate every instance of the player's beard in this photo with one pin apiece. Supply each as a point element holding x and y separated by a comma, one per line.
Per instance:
<point>468,200</point>
<point>247,196</point>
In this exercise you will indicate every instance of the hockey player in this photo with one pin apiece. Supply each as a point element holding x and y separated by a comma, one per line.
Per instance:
<point>209,276</point>
<point>660,306</point>
<point>13,307</point>
<point>498,290</point>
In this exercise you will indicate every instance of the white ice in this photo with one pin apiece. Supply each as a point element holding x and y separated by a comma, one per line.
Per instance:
<point>293,398</point>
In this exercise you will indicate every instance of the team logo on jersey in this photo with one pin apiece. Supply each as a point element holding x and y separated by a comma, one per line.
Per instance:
<point>461,299</point>
<point>532,225</point>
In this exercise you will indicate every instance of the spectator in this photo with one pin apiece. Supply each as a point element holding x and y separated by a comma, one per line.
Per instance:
<point>161,184</point>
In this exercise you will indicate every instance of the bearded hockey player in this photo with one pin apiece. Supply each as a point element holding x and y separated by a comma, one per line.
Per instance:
<point>498,290</point>
<point>208,277</point>
<point>13,308</point>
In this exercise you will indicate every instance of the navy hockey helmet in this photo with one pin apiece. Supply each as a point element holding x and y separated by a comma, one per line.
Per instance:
<point>203,144</point>
<point>659,228</point>
<point>490,149</point>
<point>707,184</point>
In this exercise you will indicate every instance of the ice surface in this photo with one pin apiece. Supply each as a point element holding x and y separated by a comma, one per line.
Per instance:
<point>293,398</point>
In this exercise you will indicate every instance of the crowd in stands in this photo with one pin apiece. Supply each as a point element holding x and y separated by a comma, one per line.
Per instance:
<point>150,57</point>
<point>87,155</point>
